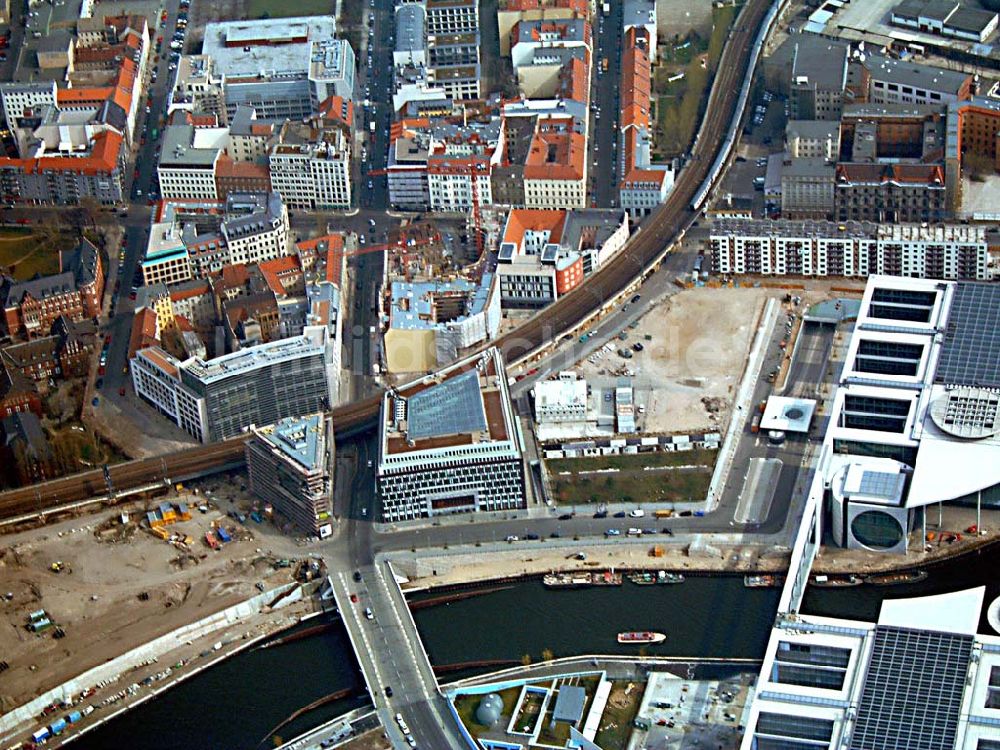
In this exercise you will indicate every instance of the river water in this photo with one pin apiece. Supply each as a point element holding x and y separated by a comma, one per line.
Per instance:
<point>235,704</point>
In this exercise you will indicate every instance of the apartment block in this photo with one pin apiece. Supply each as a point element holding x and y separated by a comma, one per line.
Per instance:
<point>856,249</point>
<point>545,254</point>
<point>555,171</point>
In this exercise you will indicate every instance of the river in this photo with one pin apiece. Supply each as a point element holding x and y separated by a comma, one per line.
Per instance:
<point>233,705</point>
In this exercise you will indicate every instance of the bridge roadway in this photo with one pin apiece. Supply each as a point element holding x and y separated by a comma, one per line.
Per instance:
<point>644,249</point>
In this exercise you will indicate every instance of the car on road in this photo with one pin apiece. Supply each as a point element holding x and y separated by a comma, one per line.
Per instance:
<point>354,598</point>
<point>410,741</point>
<point>613,532</point>
<point>512,538</point>
<point>620,514</point>
<point>601,514</point>
<point>636,513</point>
<point>531,537</point>
<point>357,575</point>
<point>388,691</point>
<point>668,531</point>
<point>565,516</point>
<point>369,614</point>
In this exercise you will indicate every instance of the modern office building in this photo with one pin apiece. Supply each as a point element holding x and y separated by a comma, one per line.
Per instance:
<point>451,443</point>
<point>915,420</point>
<point>290,465</point>
<point>283,67</point>
<point>453,38</point>
<point>313,175</point>
<point>219,398</point>
<point>860,249</point>
<point>923,675</point>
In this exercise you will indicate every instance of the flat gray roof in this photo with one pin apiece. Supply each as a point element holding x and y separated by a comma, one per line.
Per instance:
<point>912,74</point>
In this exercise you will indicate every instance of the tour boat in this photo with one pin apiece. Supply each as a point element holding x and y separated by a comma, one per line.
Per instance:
<point>641,636</point>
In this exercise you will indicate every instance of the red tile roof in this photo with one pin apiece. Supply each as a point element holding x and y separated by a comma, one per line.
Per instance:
<point>556,155</point>
<point>521,220</point>
<point>143,331</point>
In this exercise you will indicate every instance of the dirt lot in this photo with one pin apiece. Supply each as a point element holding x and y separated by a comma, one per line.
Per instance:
<point>94,599</point>
<point>373,740</point>
<point>694,359</point>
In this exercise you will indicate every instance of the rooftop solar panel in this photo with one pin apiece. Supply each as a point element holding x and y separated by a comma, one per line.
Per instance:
<point>453,407</point>
<point>970,354</point>
<point>912,695</point>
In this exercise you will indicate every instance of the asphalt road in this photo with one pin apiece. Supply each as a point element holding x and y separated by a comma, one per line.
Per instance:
<point>605,168</point>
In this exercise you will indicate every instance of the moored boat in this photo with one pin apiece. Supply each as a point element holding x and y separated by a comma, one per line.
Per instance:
<point>607,578</point>
<point>566,580</point>
<point>665,577</point>
<point>892,579</point>
<point>763,581</point>
<point>835,581</point>
<point>642,578</point>
<point>641,636</point>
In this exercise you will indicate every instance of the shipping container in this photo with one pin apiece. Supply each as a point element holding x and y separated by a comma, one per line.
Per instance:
<point>74,716</point>
<point>223,535</point>
<point>41,734</point>
<point>58,726</point>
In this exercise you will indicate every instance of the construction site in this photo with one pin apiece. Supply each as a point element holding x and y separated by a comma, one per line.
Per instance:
<point>80,592</point>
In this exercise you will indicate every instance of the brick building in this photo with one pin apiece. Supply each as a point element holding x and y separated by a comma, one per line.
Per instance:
<point>31,307</point>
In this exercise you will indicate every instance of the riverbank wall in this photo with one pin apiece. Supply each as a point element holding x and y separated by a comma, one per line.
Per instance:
<point>25,717</point>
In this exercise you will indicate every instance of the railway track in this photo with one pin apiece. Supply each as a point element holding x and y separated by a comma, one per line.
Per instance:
<point>658,232</point>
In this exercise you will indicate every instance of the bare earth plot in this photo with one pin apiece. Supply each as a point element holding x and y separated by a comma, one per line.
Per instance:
<point>693,359</point>
<point>95,596</point>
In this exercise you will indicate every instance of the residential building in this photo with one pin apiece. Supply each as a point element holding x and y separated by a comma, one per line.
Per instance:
<point>31,307</point>
<point>450,443</point>
<point>512,12</point>
<point>217,399</point>
<point>247,228</point>
<point>644,185</point>
<point>20,98</point>
<point>546,254</point>
<point>555,171</point>
<point>430,323</point>
<point>641,15</point>
<point>458,183</point>
<point>290,465</point>
<point>858,249</point>
<point>972,141</point>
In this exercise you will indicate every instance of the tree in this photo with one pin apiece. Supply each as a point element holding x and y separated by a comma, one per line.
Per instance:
<point>547,654</point>
<point>526,660</point>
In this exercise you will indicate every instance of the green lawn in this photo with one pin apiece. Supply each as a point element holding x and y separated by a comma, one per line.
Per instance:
<point>284,9</point>
<point>24,254</point>
<point>528,715</point>
<point>633,482</point>
<point>616,722</point>
<point>679,104</point>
